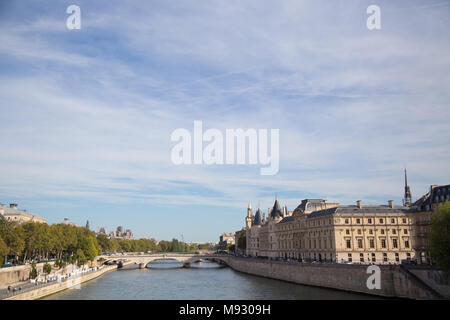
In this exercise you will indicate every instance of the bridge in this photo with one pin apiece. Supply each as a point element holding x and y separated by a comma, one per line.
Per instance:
<point>144,259</point>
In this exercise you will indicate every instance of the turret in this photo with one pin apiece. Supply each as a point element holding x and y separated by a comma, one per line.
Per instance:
<point>249,218</point>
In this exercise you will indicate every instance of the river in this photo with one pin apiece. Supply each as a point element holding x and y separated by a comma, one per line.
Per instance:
<point>203,281</point>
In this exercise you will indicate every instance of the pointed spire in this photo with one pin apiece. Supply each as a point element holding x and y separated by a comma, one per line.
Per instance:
<point>276,210</point>
<point>407,197</point>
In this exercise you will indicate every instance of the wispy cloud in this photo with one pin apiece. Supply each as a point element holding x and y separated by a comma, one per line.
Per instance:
<point>87,114</point>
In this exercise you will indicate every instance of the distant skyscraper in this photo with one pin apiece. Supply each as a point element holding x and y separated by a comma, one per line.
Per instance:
<point>407,198</point>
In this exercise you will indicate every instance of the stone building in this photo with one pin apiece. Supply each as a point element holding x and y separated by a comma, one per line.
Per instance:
<point>328,232</point>
<point>237,235</point>
<point>121,234</point>
<point>424,208</point>
<point>225,239</point>
<point>13,213</point>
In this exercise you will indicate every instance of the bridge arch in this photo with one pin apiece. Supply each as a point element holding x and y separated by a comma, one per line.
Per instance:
<point>144,260</point>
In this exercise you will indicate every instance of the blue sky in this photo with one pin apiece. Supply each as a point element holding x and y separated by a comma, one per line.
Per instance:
<point>86,115</point>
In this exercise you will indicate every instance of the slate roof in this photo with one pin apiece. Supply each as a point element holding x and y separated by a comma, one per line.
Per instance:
<point>309,204</point>
<point>276,210</point>
<point>437,194</point>
<point>258,219</point>
<point>355,209</point>
<point>287,219</point>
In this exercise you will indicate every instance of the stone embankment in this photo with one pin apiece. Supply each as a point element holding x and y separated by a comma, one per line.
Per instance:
<point>41,291</point>
<point>395,281</point>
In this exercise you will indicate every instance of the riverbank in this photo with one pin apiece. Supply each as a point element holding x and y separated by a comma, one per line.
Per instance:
<point>52,288</point>
<point>396,281</point>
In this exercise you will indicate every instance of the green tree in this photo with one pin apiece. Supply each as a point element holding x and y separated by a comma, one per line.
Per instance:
<point>47,268</point>
<point>440,237</point>
<point>104,243</point>
<point>242,241</point>
<point>4,250</point>
<point>33,272</point>
<point>80,257</point>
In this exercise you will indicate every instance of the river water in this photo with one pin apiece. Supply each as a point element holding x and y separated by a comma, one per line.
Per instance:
<point>203,281</point>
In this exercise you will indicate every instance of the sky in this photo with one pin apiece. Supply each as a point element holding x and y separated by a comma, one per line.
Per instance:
<point>87,115</point>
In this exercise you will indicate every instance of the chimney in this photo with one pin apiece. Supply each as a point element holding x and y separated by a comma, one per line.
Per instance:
<point>359,204</point>
<point>391,203</point>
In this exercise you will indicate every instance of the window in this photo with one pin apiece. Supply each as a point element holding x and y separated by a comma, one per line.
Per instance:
<point>347,231</point>
<point>369,220</point>
<point>370,231</point>
<point>359,231</point>
<point>392,220</point>
<point>405,231</point>
<point>394,243</point>
<point>349,245</point>
<point>397,257</point>
<point>373,257</point>
<point>382,231</point>
<point>346,221</point>
<point>360,243</point>
<point>383,243</point>
<point>394,231</point>
<point>385,259</point>
<point>361,257</point>
<point>404,220</point>
<point>371,243</point>
<point>358,220</point>
<point>350,257</point>
<point>406,243</point>
<point>381,220</point>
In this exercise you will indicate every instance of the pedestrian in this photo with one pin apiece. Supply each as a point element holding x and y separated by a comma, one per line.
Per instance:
<point>9,289</point>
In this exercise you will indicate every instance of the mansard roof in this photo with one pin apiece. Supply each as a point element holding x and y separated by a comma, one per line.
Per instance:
<point>309,204</point>
<point>287,219</point>
<point>378,209</point>
<point>437,194</point>
<point>258,219</point>
<point>276,210</point>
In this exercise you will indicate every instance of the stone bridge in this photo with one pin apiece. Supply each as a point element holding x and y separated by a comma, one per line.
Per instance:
<point>143,260</point>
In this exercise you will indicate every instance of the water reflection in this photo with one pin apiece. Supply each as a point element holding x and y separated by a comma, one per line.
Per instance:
<point>204,280</point>
<point>165,264</point>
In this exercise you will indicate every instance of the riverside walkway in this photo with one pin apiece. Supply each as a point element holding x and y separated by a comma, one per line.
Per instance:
<point>71,279</point>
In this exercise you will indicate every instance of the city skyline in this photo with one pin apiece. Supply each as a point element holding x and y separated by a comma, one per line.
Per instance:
<point>88,114</point>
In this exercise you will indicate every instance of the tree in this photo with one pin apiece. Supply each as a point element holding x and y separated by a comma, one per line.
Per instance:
<point>242,241</point>
<point>33,272</point>
<point>80,257</point>
<point>440,237</point>
<point>104,243</point>
<point>47,268</point>
<point>4,250</point>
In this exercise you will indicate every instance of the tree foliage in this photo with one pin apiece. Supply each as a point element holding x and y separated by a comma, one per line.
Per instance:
<point>38,241</point>
<point>242,241</point>
<point>33,272</point>
<point>440,237</point>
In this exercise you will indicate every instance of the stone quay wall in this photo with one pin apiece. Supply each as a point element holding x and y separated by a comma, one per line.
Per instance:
<point>42,291</point>
<point>19,273</point>
<point>396,281</point>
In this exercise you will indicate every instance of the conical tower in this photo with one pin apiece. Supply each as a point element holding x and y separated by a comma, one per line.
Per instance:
<point>407,197</point>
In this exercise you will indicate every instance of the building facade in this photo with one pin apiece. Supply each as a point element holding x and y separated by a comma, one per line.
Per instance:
<point>328,232</point>
<point>424,209</point>
<point>121,234</point>
<point>14,214</point>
